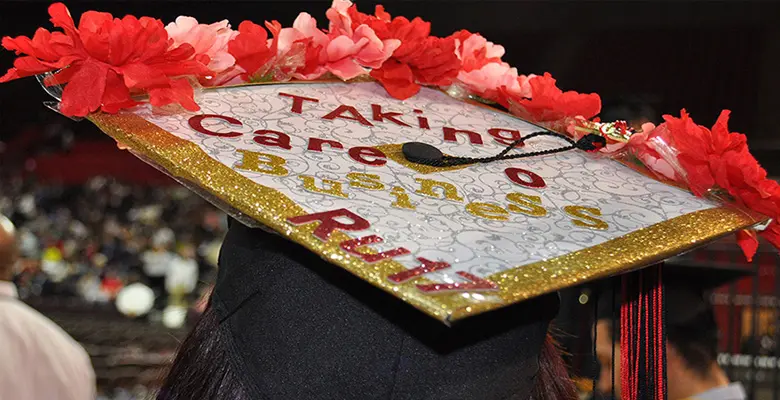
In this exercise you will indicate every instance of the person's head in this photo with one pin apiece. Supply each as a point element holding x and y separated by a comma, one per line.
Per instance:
<point>9,251</point>
<point>635,111</point>
<point>691,352</point>
<point>284,324</point>
<point>692,337</point>
<point>187,250</point>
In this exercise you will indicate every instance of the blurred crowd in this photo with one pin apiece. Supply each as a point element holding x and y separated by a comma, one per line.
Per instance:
<point>90,242</point>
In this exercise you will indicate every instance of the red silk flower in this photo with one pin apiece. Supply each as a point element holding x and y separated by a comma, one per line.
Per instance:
<point>293,52</point>
<point>718,159</point>
<point>106,60</point>
<point>421,59</point>
<point>475,51</point>
<point>550,105</point>
<point>251,51</point>
<point>483,73</point>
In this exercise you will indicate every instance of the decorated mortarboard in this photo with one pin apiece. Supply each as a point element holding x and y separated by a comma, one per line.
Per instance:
<point>425,166</point>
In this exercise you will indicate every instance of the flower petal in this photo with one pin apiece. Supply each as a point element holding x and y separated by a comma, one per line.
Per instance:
<point>178,92</point>
<point>84,93</point>
<point>346,69</point>
<point>748,241</point>
<point>397,78</point>
<point>117,96</point>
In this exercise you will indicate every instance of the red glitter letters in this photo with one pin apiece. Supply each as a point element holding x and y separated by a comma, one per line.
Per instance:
<point>328,222</point>
<point>535,181</point>
<point>351,246</point>
<point>425,267</point>
<point>297,106</point>
<point>196,122</point>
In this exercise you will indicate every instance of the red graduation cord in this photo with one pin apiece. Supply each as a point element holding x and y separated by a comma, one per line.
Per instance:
<point>643,336</point>
<point>626,316</point>
<point>660,334</point>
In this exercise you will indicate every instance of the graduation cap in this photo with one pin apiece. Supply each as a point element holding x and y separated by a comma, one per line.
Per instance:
<point>323,165</point>
<point>406,180</point>
<point>454,207</point>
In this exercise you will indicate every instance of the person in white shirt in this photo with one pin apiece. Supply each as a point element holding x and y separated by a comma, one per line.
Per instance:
<point>157,260</point>
<point>182,276</point>
<point>180,281</point>
<point>38,360</point>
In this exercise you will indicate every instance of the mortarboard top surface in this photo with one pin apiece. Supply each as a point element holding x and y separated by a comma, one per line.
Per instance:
<point>320,164</point>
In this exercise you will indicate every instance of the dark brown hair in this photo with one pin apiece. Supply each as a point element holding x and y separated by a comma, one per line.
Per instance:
<point>553,381</point>
<point>202,368</point>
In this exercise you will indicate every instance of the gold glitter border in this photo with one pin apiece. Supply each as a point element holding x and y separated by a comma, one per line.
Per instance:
<point>189,164</point>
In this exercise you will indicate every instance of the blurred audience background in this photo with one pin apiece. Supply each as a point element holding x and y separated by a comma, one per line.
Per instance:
<point>121,267</point>
<point>89,242</point>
